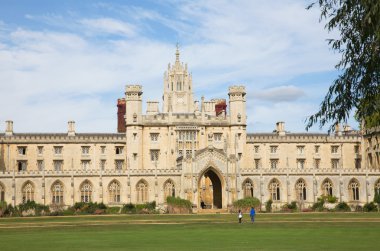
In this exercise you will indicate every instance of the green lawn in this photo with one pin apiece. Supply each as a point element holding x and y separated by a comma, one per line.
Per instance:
<point>310,231</point>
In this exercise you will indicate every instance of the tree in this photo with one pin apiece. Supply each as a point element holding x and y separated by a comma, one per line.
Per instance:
<point>358,84</point>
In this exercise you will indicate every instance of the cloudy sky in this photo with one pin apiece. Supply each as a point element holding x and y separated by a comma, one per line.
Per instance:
<point>70,60</point>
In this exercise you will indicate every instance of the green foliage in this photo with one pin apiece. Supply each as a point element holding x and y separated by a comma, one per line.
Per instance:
<point>357,85</point>
<point>376,198</point>
<point>246,203</point>
<point>34,208</point>
<point>146,208</point>
<point>3,208</point>
<point>268,206</point>
<point>178,202</point>
<point>113,210</point>
<point>292,206</point>
<point>370,207</point>
<point>342,207</point>
<point>128,209</point>
<point>319,205</point>
<point>330,199</point>
<point>89,208</point>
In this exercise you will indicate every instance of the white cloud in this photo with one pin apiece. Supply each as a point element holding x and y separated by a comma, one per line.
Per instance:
<point>279,94</point>
<point>109,25</point>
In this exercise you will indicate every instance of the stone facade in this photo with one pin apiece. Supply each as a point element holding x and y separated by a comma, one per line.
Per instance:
<point>191,150</point>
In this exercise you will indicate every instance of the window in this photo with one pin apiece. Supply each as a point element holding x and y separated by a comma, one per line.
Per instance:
<point>300,163</point>
<point>248,188</point>
<point>103,150</point>
<point>40,165</point>
<point>119,164</point>
<point>102,164</point>
<point>85,164</point>
<point>134,117</point>
<point>134,136</point>
<point>358,163</point>
<point>154,154</point>
<point>218,137</point>
<point>86,192</point>
<point>21,165</point>
<point>317,163</point>
<point>58,165</point>
<point>169,189</point>
<point>327,188</point>
<point>273,149</point>
<point>257,163</point>
<point>134,156</point>
<point>57,193</point>
<point>334,163</point>
<point>40,150</point>
<point>256,149</point>
<point>354,190</point>
<point>301,190</point>
<point>356,149</point>
<point>142,192</point>
<point>334,149</point>
<point>27,192</point>
<point>316,149</point>
<point>2,193</point>
<point>114,192</point>
<point>21,150</point>
<point>300,149</point>
<point>119,150</point>
<point>377,187</point>
<point>58,150</point>
<point>85,150</point>
<point>154,137</point>
<point>273,163</point>
<point>274,190</point>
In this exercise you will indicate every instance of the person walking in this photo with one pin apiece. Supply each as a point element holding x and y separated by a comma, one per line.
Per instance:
<point>252,214</point>
<point>240,215</point>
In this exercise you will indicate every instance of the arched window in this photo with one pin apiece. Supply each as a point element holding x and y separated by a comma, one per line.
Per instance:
<point>327,188</point>
<point>301,190</point>
<point>57,193</point>
<point>274,190</point>
<point>86,191</point>
<point>27,192</point>
<point>353,188</point>
<point>114,192</point>
<point>169,189</point>
<point>377,187</point>
<point>248,188</point>
<point>142,192</point>
<point>2,192</point>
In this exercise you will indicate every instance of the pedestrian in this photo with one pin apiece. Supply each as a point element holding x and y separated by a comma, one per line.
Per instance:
<point>252,214</point>
<point>240,216</point>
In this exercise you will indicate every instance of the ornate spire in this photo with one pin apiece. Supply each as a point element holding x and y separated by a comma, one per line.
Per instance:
<point>177,53</point>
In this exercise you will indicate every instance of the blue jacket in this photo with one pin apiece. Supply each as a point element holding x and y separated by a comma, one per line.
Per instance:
<point>252,213</point>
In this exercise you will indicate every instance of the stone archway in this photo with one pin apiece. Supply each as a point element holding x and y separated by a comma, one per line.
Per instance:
<point>210,190</point>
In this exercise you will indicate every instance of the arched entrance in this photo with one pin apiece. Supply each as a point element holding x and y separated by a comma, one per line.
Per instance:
<point>210,190</point>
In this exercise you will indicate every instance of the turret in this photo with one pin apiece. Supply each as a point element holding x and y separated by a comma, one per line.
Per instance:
<point>236,96</point>
<point>8,128</point>
<point>133,104</point>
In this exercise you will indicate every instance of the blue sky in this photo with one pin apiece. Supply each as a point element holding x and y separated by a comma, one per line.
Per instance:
<point>71,60</point>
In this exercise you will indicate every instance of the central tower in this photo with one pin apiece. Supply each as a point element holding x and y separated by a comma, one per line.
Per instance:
<point>178,88</point>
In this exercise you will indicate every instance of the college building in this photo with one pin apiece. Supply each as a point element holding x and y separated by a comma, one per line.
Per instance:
<point>196,150</point>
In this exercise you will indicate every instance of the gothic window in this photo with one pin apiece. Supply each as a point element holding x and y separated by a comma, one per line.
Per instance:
<point>334,149</point>
<point>40,165</point>
<point>2,193</point>
<point>334,163</point>
<point>85,164</point>
<point>114,192</point>
<point>377,187</point>
<point>169,189</point>
<point>354,190</point>
<point>356,149</point>
<point>300,163</point>
<point>86,192</point>
<point>57,193</point>
<point>21,165</point>
<point>27,192</point>
<point>21,150</point>
<point>40,150</point>
<point>358,163</point>
<point>273,149</point>
<point>248,188</point>
<point>154,154</point>
<point>85,150</point>
<point>257,163</point>
<point>58,150</point>
<point>301,190</point>
<point>274,190</point>
<point>58,164</point>
<point>317,163</point>
<point>142,192</point>
<point>119,150</point>
<point>119,164</point>
<point>327,188</point>
<point>273,163</point>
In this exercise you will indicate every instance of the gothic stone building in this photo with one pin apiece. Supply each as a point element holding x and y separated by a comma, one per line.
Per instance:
<point>199,151</point>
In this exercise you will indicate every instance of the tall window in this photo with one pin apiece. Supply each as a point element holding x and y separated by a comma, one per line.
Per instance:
<point>334,149</point>
<point>114,192</point>
<point>102,164</point>
<point>256,149</point>
<point>301,190</point>
<point>300,163</point>
<point>248,188</point>
<point>58,164</point>
<point>27,192</point>
<point>358,163</point>
<point>316,149</point>
<point>169,189</point>
<point>142,192</point>
<point>317,163</point>
<point>327,188</point>
<point>85,150</point>
<point>154,154</point>
<point>2,193</point>
<point>40,150</point>
<point>86,192</point>
<point>21,165</point>
<point>273,149</point>
<point>119,150</point>
<point>334,163</point>
<point>58,150</point>
<point>257,163</point>
<point>274,190</point>
<point>21,150</point>
<point>85,164</point>
<point>119,164</point>
<point>354,190</point>
<point>57,193</point>
<point>40,165</point>
<point>273,163</point>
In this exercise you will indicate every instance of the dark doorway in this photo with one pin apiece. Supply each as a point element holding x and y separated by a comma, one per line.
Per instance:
<point>210,190</point>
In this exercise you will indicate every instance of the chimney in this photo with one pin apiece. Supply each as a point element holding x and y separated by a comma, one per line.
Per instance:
<point>71,128</point>
<point>338,131</point>
<point>8,128</point>
<point>121,110</point>
<point>280,128</point>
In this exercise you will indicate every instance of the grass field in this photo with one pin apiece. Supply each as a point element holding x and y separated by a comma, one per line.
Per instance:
<point>311,231</point>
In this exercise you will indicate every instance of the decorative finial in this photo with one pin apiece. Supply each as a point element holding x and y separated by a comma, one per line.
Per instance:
<point>177,53</point>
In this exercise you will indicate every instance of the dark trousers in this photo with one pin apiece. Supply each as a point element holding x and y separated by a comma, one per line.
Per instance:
<point>252,218</point>
<point>239,220</point>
